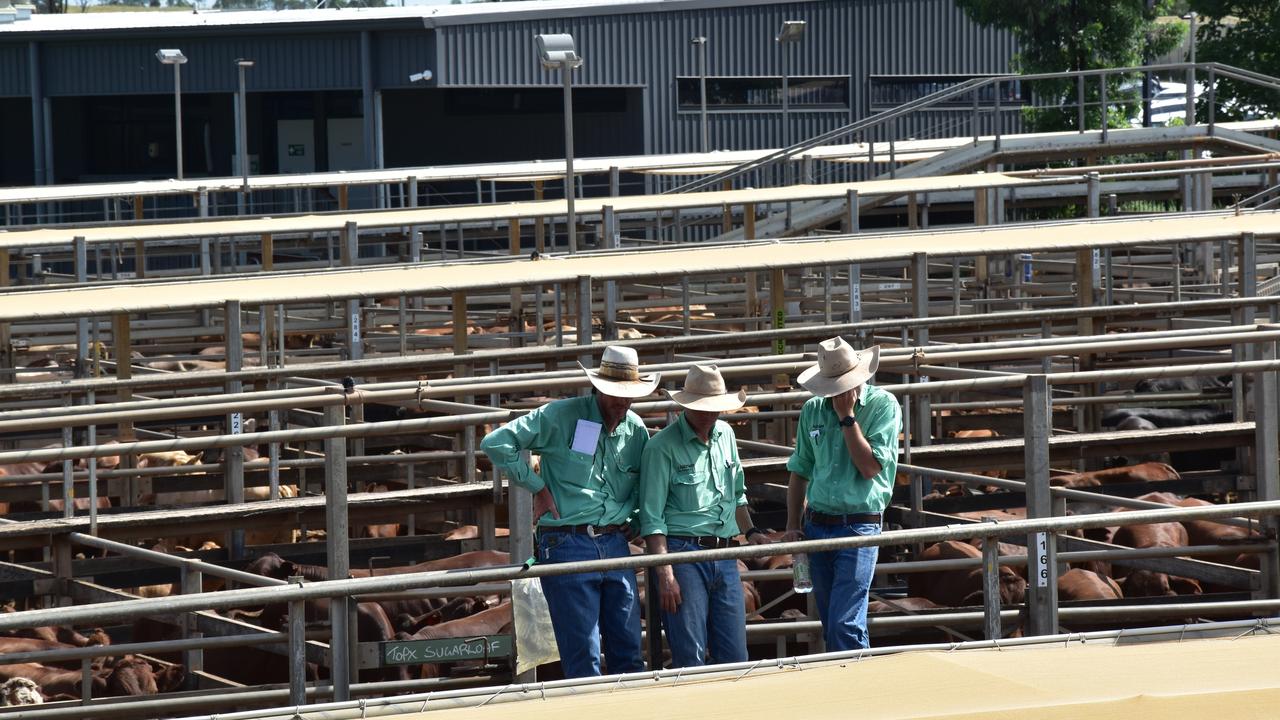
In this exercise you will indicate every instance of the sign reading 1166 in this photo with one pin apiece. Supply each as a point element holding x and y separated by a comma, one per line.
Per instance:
<point>409,652</point>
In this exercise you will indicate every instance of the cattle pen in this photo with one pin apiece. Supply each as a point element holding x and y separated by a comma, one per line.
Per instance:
<point>229,442</point>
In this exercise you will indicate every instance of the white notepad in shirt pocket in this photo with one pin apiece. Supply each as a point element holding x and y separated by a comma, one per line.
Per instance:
<point>585,437</point>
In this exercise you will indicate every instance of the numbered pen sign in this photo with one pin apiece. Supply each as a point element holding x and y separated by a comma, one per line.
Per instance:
<point>237,423</point>
<point>355,327</point>
<point>413,652</point>
<point>1041,560</point>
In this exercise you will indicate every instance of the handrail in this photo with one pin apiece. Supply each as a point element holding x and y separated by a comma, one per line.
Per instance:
<point>972,85</point>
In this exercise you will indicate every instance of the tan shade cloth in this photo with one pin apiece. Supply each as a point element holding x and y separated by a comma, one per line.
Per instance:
<point>1188,680</point>
<point>451,214</point>
<point>441,280</point>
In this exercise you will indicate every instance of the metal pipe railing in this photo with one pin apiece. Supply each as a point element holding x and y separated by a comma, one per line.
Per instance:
<point>132,609</point>
<point>963,88</point>
<point>374,366</point>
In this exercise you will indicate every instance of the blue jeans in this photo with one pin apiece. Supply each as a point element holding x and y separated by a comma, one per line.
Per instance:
<point>710,615</point>
<point>841,584</point>
<point>589,610</point>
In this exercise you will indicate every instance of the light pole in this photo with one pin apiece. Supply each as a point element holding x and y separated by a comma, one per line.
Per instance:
<point>243,144</point>
<point>175,58</point>
<point>557,51</point>
<point>792,31</point>
<point>1191,71</point>
<point>701,43</point>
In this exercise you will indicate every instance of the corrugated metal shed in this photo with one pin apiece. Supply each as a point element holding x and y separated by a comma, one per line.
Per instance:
<point>639,44</point>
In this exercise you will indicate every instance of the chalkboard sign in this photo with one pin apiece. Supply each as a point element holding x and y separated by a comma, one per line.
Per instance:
<point>413,652</point>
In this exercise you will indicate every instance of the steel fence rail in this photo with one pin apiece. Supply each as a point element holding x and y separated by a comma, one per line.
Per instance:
<point>132,609</point>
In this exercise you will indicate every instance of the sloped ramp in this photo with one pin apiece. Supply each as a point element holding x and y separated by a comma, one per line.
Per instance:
<point>809,216</point>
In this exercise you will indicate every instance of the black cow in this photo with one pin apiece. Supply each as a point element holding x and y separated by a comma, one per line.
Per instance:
<point>1153,418</point>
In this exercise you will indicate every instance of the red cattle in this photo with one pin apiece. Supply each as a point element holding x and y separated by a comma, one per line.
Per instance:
<point>1079,584</point>
<point>961,587</point>
<point>1142,472</point>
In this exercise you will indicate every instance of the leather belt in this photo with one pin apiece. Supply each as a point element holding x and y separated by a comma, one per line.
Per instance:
<point>706,542</point>
<point>818,518</point>
<point>590,530</point>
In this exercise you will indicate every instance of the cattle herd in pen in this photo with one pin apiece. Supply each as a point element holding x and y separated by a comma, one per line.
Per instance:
<point>767,598</point>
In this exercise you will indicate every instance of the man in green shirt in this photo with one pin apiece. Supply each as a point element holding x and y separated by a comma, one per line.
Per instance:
<point>583,501</point>
<point>842,473</point>
<point>692,497</point>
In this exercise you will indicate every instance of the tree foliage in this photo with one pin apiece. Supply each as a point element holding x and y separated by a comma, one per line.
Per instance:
<point>1246,34</point>
<point>1062,35</point>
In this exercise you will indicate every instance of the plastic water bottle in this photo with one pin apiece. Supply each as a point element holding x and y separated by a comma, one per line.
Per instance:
<point>800,573</point>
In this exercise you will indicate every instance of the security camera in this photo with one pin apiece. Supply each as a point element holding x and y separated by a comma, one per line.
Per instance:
<point>423,76</point>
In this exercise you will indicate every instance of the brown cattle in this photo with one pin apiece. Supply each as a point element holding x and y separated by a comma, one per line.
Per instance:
<point>472,532</point>
<point>906,604</point>
<point>387,530</point>
<point>1142,472</point>
<point>54,683</point>
<point>1148,583</point>
<point>957,588</point>
<point>133,676</point>
<point>1208,532</point>
<point>1078,584</point>
<point>489,622</point>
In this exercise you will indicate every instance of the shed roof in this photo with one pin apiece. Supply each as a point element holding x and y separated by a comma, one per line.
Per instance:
<point>423,16</point>
<point>443,279</point>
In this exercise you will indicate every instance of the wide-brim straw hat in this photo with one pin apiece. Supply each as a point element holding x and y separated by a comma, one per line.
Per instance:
<point>619,374</point>
<point>840,368</point>
<point>704,389</point>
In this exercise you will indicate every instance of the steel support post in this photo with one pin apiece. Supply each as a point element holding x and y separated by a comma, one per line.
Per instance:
<point>268,252</point>
<point>350,250</point>
<point>82,323</point>
<point>686,315</point>
<point>991,589</point>
<point>615,182</point>
<point>612,241</point>
<point>920,309</point>
<point>1094,184</point>
<point>851,212</point>
<point>337,547</point>
<point>460,330</point>
<point>122,344</point>
<point>517,293</point>
<point>1042,588</point>
<point>1265,451</point>
<point>827,272</point>
<point>191,580</point>
<point>584,317</point>
<point>233,457</point>
<point>778,316</point>
<point>355,344</point>
<point>298,649</point>
<point>413,192</point>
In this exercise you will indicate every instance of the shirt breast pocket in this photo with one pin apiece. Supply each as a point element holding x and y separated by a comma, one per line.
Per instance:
<point>577,469</point>
<point>691,489</point>
<point>623,479</point>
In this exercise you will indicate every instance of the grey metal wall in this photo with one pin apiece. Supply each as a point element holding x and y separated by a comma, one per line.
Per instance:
<point>856,38</point>
<point>129,67</point>
<point>14,73</point>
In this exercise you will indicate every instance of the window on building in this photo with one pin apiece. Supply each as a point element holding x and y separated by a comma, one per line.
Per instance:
<point>765,93</point>
<point>888,91</point>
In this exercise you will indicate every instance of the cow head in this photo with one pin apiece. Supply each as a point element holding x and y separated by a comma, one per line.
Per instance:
<point>134,676</point>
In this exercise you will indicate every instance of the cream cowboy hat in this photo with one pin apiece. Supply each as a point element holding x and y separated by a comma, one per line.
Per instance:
<point>619,374</point>
<point>840,368</point>
<point>704,389</point>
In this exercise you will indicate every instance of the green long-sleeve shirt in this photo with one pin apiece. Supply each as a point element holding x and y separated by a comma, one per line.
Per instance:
<point>688,487</point>
<point>835,485</point>
<point>598,488</point>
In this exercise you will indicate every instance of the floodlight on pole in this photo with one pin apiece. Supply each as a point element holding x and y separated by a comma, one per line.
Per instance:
<point>558,52</point>
<point>174,57</point>
<point>792,31</point>
<point>701,43</point>
<point>1193,17</point>
<point>243,128</point>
